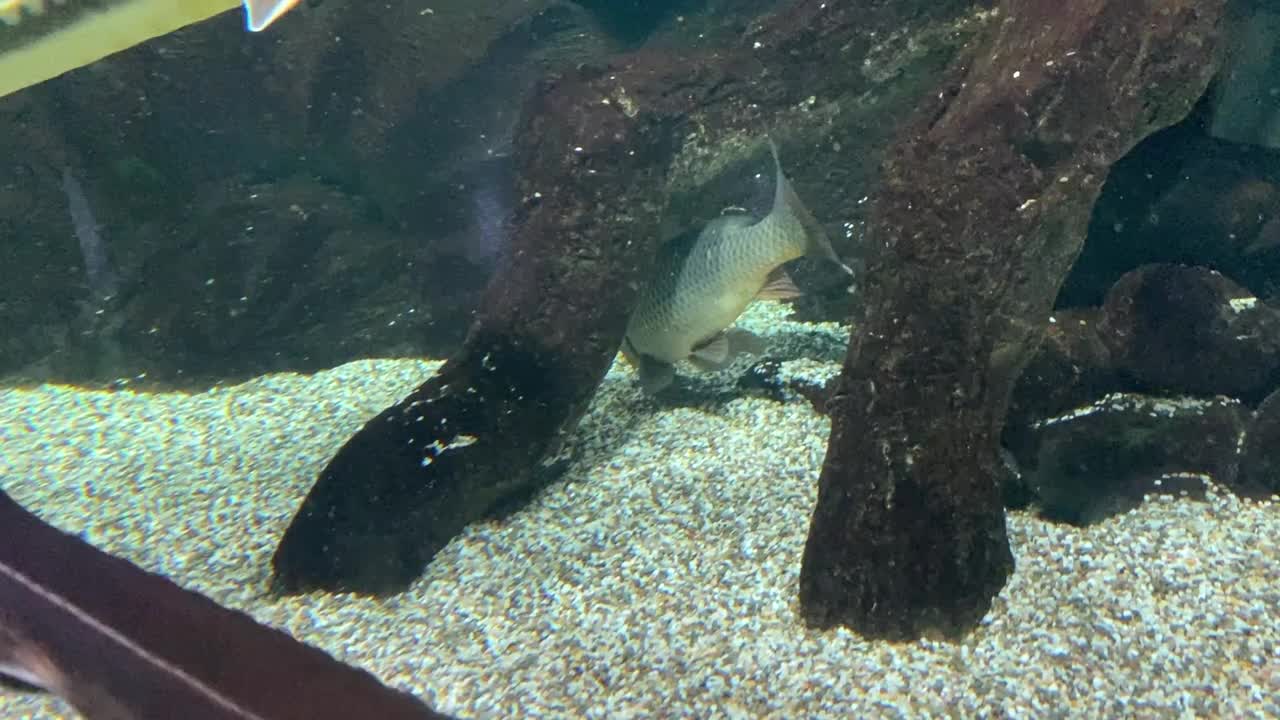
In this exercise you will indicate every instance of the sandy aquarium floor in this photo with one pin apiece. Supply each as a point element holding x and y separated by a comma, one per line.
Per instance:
<point>658,579</point>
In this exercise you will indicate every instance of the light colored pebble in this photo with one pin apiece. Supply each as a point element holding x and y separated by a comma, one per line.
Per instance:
<point>659,578</point>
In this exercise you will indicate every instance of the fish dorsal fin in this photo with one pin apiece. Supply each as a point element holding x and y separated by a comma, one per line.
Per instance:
<point>779,286</point>
<point>784,195</point>
<point>785,200</point>
<point>258,14</point>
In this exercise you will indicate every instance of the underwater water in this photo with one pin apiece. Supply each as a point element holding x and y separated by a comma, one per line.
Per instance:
<point>690,359</point>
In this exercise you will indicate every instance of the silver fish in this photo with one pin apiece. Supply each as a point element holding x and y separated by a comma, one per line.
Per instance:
<point>41,39</point>
<point>684,313</point>
<point>93,249</point>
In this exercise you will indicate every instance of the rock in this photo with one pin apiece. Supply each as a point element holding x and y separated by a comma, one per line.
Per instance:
<point>1181,197</point>
<point>1219,214</point>
<point>1015,485</point>
<point>293,274</point>
<point>1260,456</point>
<point>1244,109</point>
<point>982,209</point>
<point>1189,330</point>
<point>765,377</point>
<point>1071,367</point>
<point>1102,459</point>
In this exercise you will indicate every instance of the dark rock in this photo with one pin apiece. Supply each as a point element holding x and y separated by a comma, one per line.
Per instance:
<point>764,377</point>
<point>1244,108</point>
<point>1190,330</point>
<point>1260,456</point>
<point>1071,367</point>
<point>1219,215</point>
<point>983,208</point>
<point>1015,485</point>
<point>1101,459</point>
<point>1188,199</point>
<point>302,276</point>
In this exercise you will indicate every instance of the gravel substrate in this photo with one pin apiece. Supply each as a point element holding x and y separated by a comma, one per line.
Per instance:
<point>659,578</point>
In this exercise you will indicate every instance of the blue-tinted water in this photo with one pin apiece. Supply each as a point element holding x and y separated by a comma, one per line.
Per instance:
<point>1040,422</point>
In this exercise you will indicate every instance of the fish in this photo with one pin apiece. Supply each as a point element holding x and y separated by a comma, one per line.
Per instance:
<point>120,643</point>
<point>41,39</point>
<point>686,310</point>
<point>93,249</point>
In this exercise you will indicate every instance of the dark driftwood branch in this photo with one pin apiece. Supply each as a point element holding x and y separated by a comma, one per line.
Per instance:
<point>116,641</point>
<point>593,154</point>
<point>983,208</point>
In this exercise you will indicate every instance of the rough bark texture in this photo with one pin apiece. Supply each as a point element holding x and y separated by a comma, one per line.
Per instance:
<point>475,435</point>
<point>983,207</point>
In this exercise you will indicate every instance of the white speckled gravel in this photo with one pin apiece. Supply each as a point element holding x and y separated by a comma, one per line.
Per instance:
<point>658,579</point>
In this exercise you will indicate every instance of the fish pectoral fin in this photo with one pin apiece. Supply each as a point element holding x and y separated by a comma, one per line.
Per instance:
<point>745,342</point>
<point>719,351</point>
<point>711,355</point>
<point>779,286</point>
<point>261,13</point>
<point>655,375</point>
